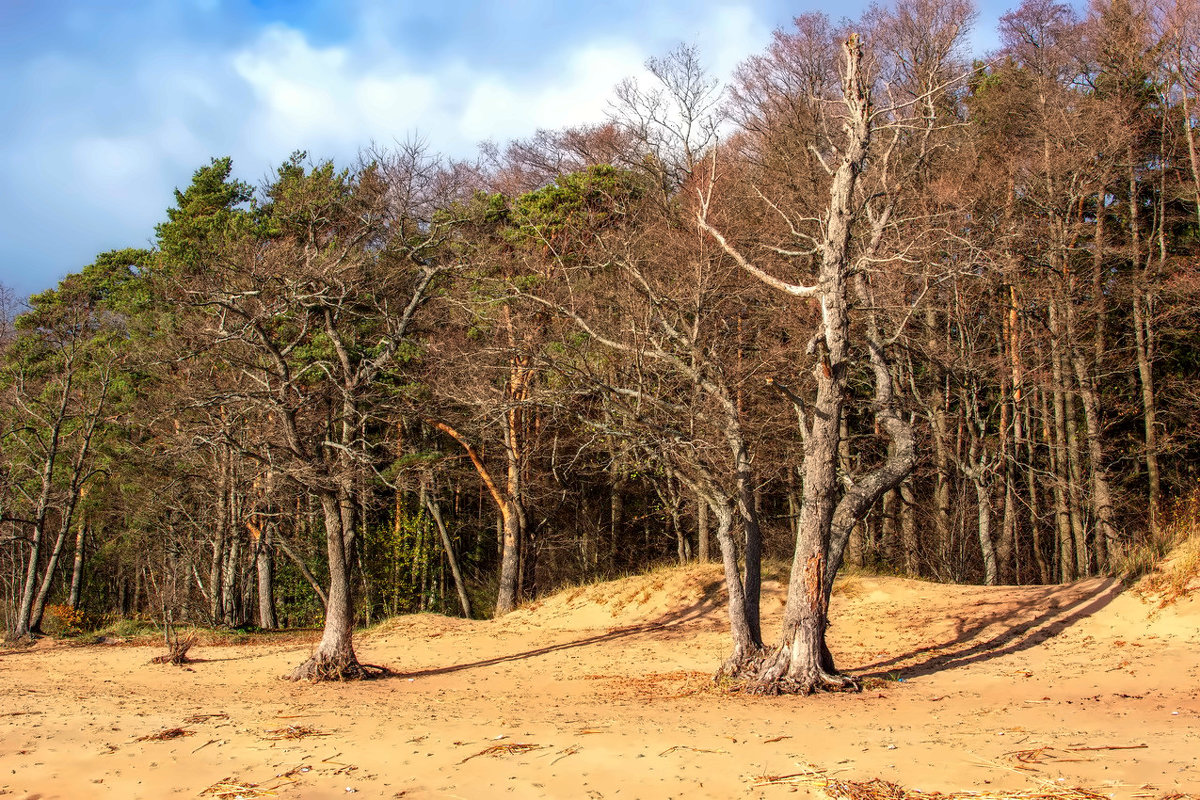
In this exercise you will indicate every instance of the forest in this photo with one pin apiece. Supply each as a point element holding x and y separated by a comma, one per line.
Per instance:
<point>876,301</point>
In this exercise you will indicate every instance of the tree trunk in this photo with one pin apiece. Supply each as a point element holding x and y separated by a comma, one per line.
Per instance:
<point>334,658</point>
<point>743,622</point>
<point>1143,349</point>
<point>43,595</point>
<point>908,529</point>
<point>261,539</point>
<point>506,597</point>
<point>1045,574</point>
<point>942,478</point>
<point>77,568</point>
<point>748,510</point>
<point>22,626</point>
<point>229,599</point>
<point>451,557</point>
<point>984,508</point>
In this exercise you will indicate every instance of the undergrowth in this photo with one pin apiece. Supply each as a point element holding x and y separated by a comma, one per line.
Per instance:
<point>1172,565</point>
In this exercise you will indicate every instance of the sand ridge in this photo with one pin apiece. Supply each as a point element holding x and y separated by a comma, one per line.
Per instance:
<point>604,691</point>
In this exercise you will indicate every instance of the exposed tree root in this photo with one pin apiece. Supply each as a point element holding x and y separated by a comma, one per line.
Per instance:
<point>743,663</point>
<point>778,675</point>
<point>318,669</point>
<point>20,640</point>
<point>177,651</point>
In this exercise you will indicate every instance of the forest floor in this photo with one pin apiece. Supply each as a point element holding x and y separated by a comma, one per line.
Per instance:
<point>605,692</point>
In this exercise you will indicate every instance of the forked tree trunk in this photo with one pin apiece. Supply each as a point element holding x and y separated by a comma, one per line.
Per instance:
<point>43,595</point>
<point>752,541</point>
<point>801,662</point>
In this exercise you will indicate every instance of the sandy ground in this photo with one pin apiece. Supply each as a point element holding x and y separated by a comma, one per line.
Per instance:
<point>604,692</point>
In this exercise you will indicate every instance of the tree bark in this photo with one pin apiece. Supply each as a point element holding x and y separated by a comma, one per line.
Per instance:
<point>334,658</point>
<point>77,568</point>
<point>1143,344</point>
<point>264,563</point>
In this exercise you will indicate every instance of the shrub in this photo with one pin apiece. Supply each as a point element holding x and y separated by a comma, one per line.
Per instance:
<point>61,620</point>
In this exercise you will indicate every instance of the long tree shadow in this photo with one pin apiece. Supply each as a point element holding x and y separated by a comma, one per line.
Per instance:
<point>700,608</point>
<point>1016,634</point>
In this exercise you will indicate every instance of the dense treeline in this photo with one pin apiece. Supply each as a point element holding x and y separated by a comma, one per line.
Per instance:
<point>872,303</point>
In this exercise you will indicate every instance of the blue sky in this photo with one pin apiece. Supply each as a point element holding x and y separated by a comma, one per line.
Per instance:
<point>107,105</point>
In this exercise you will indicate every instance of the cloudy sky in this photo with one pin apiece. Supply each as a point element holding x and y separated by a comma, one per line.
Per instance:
<point>107,105</point>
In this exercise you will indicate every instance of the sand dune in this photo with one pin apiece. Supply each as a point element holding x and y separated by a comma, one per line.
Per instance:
<point>604,691</point>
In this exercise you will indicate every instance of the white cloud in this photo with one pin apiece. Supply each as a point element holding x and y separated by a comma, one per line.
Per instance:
<point>99,134</point>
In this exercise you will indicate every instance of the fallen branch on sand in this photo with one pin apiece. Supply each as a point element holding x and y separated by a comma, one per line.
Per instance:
<point>1041,755</point>
<point>570,751</point>
<point>503,750</point>
<point>169,733</point>
<point>1111,747</point>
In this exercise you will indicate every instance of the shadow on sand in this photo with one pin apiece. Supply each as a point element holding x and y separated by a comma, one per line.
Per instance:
<point>1041,616</point>
<point>707,603</point>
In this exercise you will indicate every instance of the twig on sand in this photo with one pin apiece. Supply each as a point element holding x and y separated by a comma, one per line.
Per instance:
<point>689,747</point>
<point>570,751</point>
<point>1037,755</point>
<point>342,769</point>
<point>503,750</point>
<point>196,719</point>
<point>1111,747</point>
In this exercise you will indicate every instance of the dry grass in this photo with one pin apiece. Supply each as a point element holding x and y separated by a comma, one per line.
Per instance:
<point>1178,575</point>
<point>230,789</point>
